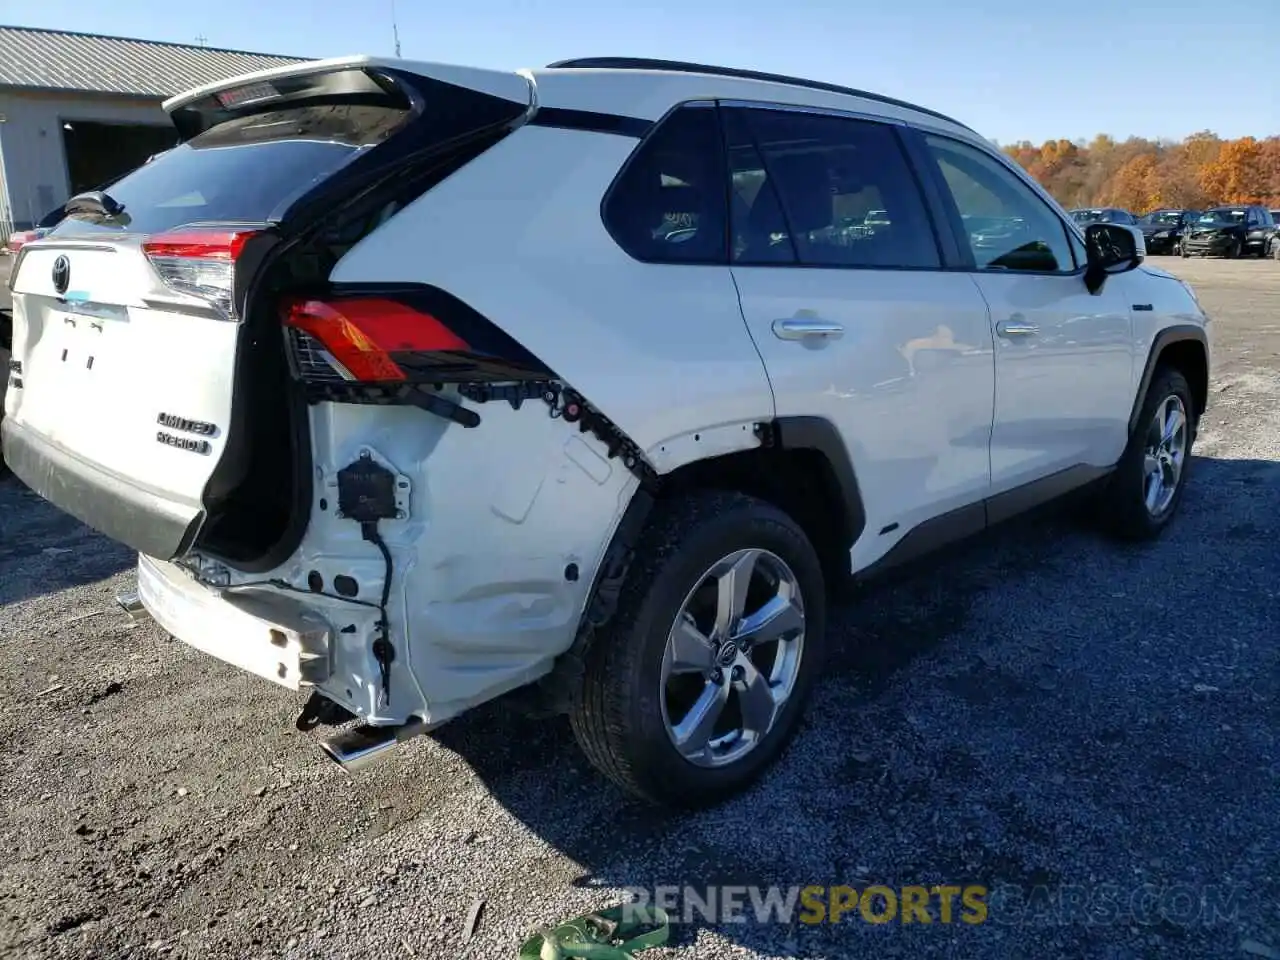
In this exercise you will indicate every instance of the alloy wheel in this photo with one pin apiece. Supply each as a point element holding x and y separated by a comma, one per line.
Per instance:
<point>732,657</point>
<point>1164,455</point>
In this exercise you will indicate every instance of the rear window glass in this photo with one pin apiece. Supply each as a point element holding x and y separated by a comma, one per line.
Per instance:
<point>245,170</point>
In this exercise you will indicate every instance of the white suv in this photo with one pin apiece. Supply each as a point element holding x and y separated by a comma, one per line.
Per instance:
<point>414,385</point>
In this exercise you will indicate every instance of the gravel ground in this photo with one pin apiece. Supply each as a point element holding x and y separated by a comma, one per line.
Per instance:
<point>1041,709</point>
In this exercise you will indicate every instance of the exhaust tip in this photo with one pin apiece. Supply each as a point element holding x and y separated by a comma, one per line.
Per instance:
<point>131,604</point>
<point>362,746</point>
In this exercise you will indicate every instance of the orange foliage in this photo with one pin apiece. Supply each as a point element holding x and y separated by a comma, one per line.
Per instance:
<point>1140,175</point>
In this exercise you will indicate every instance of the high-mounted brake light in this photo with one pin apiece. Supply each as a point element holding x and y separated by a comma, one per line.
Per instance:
<point>199,261</point>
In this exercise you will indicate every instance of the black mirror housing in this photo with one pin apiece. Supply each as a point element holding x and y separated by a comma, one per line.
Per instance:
<point>1112,248</point>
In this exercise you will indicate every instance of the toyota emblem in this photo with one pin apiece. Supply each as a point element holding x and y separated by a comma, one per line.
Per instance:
<point>61,275</point>
<point>727,653</point>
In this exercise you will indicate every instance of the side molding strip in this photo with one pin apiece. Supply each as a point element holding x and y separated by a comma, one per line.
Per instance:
<point>964,522</point>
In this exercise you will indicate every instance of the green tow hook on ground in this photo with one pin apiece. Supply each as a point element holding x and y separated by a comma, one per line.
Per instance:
<point>613,934</point>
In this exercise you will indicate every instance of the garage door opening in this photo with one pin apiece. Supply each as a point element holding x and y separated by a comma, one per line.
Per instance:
<point>98,153</point>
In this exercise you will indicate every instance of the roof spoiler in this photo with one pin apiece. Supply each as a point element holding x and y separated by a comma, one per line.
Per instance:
<point>348,80</point>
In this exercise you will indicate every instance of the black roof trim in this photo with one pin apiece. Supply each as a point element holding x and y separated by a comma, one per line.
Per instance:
<point>680,66</point>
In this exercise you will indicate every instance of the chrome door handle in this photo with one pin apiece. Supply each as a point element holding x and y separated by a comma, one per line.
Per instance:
<point>804,329</point>
<point>1016,328</point>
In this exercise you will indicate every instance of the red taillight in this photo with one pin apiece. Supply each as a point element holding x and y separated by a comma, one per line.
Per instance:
<point>20,238</point>
<point>199,261</point>
<point>362,333</point>
<point>212,243</point>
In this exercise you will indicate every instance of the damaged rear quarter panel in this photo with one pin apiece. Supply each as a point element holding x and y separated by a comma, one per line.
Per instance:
<point>492,567</point>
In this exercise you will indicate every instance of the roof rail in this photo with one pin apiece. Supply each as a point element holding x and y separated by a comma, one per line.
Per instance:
<point>680,66</point>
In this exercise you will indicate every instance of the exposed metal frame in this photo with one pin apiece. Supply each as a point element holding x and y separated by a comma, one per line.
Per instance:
<point>680,66</point>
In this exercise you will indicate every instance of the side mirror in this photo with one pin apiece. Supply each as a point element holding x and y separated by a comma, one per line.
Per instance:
<point>1113,248</point>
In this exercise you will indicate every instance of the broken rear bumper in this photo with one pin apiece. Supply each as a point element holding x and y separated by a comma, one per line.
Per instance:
<point>262,632</point>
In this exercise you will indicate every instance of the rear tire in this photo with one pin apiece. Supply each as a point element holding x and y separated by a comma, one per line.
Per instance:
<point>1147,486</point>
<point>630,713</point>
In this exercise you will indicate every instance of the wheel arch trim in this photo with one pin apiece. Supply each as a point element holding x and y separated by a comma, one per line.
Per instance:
<point>1163,339</point>
<point>821,435</point>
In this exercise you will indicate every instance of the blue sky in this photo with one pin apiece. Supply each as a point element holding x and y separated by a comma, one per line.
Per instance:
<point>1017,70</point>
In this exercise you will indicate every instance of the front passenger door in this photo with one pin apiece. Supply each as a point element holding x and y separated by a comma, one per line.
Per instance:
<point>1064,357</point>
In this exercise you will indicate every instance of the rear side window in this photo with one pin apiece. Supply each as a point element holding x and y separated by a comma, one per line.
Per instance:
<point>848,198</point>
<point>245,170</point>
<point>668,204</point>
<point>759,231</point>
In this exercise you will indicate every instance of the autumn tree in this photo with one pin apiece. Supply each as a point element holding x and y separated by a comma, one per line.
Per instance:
<point>1140,174</point>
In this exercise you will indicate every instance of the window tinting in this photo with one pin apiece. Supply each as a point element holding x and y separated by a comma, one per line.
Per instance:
<point>668,204</point>
<point>242,170</point>
<point>1162,218</point>
<point>1006,225</point>
<point>847,197</point>
<point>759,229</point>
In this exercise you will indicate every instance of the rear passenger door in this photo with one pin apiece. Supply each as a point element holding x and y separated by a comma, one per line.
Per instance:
<point>839,272</point>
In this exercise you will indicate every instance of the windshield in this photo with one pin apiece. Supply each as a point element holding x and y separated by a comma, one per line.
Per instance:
<point>1087,216</point>
<point>1172,217</point>
<point>1223,215</point>
<point>242,171</point>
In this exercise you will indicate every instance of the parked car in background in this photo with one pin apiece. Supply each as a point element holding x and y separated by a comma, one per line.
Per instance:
<point>1162,229</point>
<point>20,238</point>
<point>1233,231</point>
<point>1087,215</point>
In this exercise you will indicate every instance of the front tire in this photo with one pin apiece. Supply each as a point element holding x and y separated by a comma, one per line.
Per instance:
<point>1146,488</point>
<point>701,680</point>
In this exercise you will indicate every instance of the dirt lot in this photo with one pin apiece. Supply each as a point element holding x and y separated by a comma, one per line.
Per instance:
<point>1043,710</point>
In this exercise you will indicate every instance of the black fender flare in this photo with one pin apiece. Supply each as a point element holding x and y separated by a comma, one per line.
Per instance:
<point>1169,335</point>
<point>821,435</point>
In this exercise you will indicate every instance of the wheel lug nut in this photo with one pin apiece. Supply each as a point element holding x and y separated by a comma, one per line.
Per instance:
<point>717,676</point>
<point>738,673</point>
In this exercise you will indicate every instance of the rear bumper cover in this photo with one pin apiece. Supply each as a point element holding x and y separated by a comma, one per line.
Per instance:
<point>262,632</point>
<point>143,519</point>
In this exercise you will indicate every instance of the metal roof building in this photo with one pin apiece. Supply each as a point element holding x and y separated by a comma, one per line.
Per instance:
<point>77,110</point>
